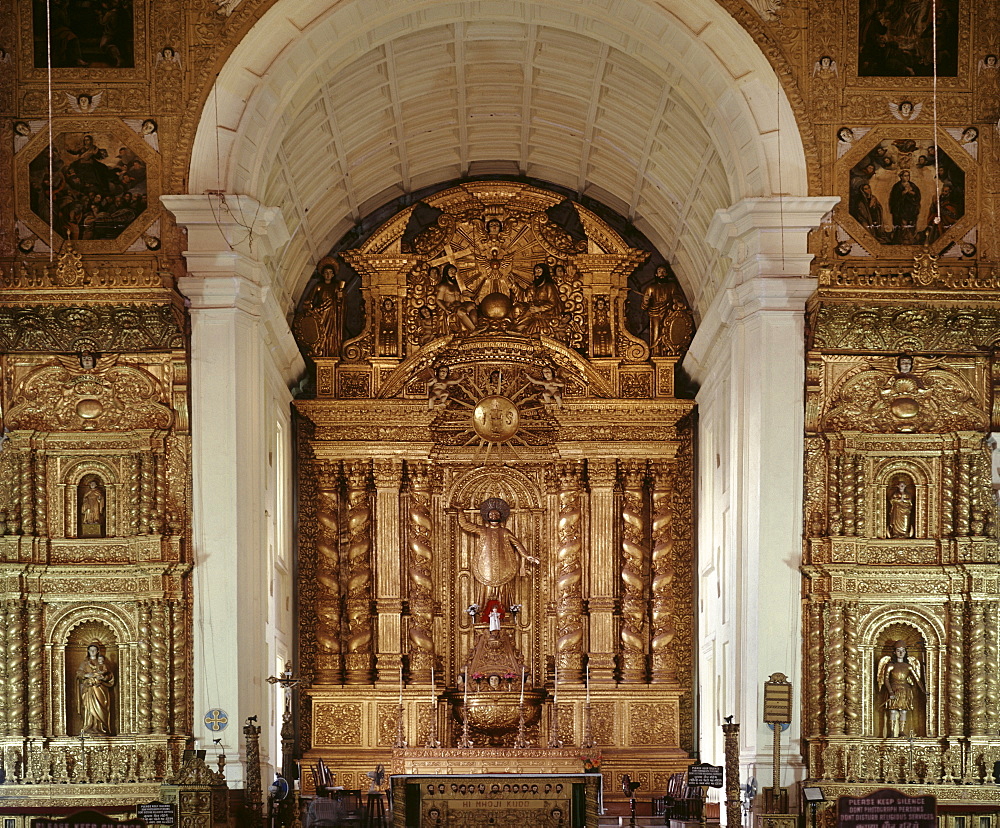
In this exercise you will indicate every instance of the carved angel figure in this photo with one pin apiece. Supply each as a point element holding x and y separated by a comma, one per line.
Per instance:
<point>898,674</point>
<point>905,110</point>
<point>826,65</point>
<point>84,104</point>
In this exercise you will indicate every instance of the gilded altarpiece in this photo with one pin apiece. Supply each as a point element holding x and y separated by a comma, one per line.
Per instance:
<point>901,592</point>
<point>495,387</point>
<point>94,531</point>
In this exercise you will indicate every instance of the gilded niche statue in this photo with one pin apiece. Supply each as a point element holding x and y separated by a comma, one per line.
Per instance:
<point>91,510</point>
<point>95,679</point>
<point>898,675</point>
<point>495,562</point>
<point>900,520</point>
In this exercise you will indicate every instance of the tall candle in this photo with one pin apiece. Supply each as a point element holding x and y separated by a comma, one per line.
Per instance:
<point>555,684</point>
<point>522,685</point>
<point>465,698</point>
<point>588,684</point>
<point>401,683</point>
<point>432,686</point>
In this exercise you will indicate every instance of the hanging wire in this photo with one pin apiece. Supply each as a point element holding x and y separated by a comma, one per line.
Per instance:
<point>934,101</point>
<point>781,189</point>
<point>48,59</point>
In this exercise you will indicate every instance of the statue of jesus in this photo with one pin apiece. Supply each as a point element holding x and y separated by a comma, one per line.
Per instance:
<point>495,563</point>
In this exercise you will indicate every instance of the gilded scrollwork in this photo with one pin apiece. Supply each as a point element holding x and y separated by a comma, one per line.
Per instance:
<point>908,399</point>
<point>108,396</point>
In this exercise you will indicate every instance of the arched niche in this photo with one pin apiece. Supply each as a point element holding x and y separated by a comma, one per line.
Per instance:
<point>526,522</point>
<point>70,634</point>
<point>92,681</point>
<point>80,481</point>
<point>924,640</point>
<point>889,503</point>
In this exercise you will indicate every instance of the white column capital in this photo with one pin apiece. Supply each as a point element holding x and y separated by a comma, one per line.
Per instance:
<point>768,218</point>
<point>227,225</point>
<point>231,240</point>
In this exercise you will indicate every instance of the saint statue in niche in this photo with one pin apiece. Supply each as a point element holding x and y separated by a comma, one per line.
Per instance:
<point>900,515</point>
<point>899,677</point>
<point>95,678</point>
<point>321,317</point>
<point>495,561</point>
<point>91,507</point>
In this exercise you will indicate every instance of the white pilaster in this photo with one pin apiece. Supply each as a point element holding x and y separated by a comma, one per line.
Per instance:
<point>243,360</point>
<point>748,358</point>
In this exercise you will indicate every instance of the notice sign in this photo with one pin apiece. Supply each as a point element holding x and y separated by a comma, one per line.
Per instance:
<point>777,699</point>
<point>708,776</point>
<point>157,813</point>
<point>886,809</point>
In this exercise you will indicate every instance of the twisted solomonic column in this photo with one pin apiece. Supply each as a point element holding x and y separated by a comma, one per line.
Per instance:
<point>358,655</point>
<point>328,642</point>
<point>420,586</point>
<point>569,575</point>
<point>633,581</point>
<point>663,660</point>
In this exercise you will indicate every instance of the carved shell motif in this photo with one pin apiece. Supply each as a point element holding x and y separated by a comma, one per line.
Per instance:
<point>881,401</point>
<point>61,397</point>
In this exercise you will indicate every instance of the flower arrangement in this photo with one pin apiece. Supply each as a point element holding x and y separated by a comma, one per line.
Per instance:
<point>478,676</point>
<point>510,675</point>
<point>591,762</point>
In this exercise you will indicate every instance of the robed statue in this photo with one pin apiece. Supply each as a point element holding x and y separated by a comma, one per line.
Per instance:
<point>499,556</point>
<point>95,679</point>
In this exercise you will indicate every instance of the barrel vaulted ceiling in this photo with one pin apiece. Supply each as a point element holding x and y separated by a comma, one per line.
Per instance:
<point>664,111</point>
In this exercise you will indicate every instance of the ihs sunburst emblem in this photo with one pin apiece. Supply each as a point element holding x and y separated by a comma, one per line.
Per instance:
<point>495,408</point>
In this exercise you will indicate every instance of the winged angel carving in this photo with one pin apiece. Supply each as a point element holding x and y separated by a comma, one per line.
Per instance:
<point>877,399</point>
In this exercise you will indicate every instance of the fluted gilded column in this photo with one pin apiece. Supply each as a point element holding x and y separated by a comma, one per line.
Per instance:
<point>664,666</point>
<point>419,581</point>
<point>956,669</point>
<point>358,592</point>
<point>569,575</point>
<point>144,678</point>
<point>835,669</point>
<point>329,664</point>
<point>633,574</point>
<point>35,672</point>
<point>852,669</point>
<point>601,475</point>
<point>15,670</point>
<point>388,475</point>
